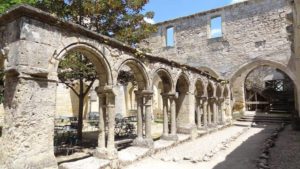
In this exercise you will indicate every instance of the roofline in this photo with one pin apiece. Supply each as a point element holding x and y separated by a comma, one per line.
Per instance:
<point>19,11</point>
<point>203,13</point>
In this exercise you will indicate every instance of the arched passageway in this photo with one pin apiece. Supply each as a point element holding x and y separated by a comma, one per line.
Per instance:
<point>270,90</point>
<point>134,71</point>
<point>82,69</point>
<point>166,103</point>
<point>266,69</point>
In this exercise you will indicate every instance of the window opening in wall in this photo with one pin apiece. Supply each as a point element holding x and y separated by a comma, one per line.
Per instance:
<point>170,37</point>
<point>216,27</point>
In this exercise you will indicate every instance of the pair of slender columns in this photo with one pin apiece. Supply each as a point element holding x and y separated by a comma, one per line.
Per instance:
<point>107,149</point>
<point>144,102</point>
<point>166,134</point>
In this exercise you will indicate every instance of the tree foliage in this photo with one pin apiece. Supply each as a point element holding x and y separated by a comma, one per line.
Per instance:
<point>6,4</point>
<point>76,70</point>
<point>125,77</point>
<point>120,19</point>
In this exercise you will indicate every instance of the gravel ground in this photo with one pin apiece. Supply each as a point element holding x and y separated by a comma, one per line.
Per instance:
<point>286,153</point>
<point>241,153</point>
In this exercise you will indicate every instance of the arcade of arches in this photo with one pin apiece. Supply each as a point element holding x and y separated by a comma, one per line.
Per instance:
<point>185,98</point>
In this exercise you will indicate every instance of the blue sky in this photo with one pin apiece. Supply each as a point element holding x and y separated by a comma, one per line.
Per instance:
<point>170,9</point>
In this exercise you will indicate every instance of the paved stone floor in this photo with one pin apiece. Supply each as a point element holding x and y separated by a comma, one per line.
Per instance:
<point>285,155</point>
<point>240,152</point>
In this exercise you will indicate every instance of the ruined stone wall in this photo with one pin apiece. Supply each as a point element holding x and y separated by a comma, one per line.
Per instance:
<point>253,30</point>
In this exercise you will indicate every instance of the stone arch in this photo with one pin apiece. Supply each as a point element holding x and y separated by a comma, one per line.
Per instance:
<point>139,71</point>
<point>162,83</point>
<point>237,81</point>
<point>183,79</point>
<point>257,63</point>
<point>101,63</point>
<point>210,71</point>
<point>165,76</point>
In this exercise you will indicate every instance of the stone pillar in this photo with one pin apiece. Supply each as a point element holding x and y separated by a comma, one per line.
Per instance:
<point>204,105</point>
<point>110,112</point>
<point>27,138</point>
<point>107,97</point>
<point>173,135</point>
<point>101,136</point>
<point>148,114</point>
<point>139,100</point>
<point>165,117</point>
<point>209,111</point>
<point>228,108</point>
<point>140,140</point>
<point>214,111</point>
<point>221,110</point>
<point>199,112</point>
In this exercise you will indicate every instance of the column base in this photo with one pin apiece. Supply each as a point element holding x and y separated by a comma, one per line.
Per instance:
<point>143,142</point>
<point>222,123</point>
<point>205,127</point>
<point>211,125</point>
<point>104,153</point>
<point>188,129</point>
<point>169,137</point>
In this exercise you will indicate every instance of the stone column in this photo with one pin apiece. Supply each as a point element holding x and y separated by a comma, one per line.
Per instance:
<point>204,105</point>
<point>148,115</point>
<point>227,104</point>
<point>101,136</point>
<point>110,112</point>
<point>214,110</point>
<point>139,100</point>
<point>198,111</point>
<point>173,135</point>
<point>221,110</point>
<point>165,117</point>
<point>140,141</point>
<point>209,111</point>
<point>106,97</point>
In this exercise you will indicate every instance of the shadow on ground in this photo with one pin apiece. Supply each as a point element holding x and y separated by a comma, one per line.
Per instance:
<point>245,156</point>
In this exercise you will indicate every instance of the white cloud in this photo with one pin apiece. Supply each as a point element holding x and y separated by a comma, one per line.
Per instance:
<point>149,20</point>
<point>236,1</point>
<point>216,32</point>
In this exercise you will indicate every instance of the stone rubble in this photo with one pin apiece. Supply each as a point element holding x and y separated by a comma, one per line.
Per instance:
<point>263,160</point>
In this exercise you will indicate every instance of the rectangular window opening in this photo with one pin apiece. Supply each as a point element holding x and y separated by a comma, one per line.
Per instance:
<point>170,37</point>
<point>216,27</point>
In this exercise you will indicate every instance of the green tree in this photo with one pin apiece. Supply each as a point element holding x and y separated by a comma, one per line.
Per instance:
<point>75,70</point>
<point>120,19</point>
<point>6,4</point>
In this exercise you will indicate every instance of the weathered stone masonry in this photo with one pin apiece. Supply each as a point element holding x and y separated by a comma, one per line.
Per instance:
<point>254,33</point>
<point>32,44</point>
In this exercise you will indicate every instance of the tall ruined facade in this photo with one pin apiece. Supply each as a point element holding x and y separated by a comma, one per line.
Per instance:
<point>251,34</point>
